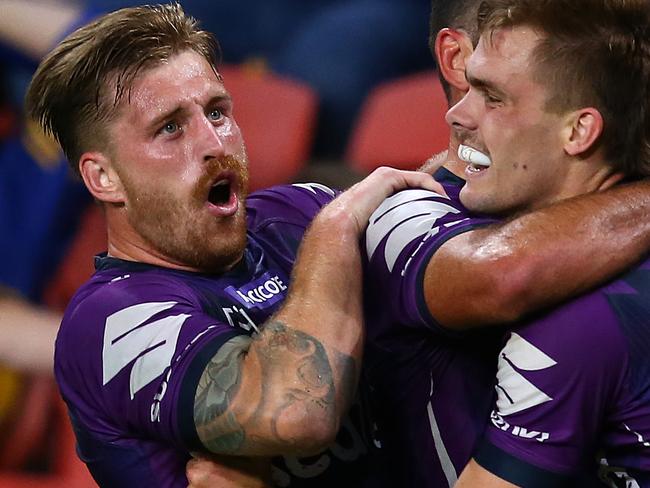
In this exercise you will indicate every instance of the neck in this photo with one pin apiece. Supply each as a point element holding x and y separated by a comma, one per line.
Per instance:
<point>585,179</point>
<point>125,243</point>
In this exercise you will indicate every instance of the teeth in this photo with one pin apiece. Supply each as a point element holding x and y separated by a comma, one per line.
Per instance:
<point>473,156</point>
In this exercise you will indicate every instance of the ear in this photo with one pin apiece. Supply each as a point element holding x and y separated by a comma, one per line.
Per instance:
<point>100,178</point>
<point>453,48</point>
<point>584,127</point>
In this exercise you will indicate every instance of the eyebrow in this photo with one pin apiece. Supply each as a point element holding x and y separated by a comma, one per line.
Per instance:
<point>179,111</point>
<point>483,84</point>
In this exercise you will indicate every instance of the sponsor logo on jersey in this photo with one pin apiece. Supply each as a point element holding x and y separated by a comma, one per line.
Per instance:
<point>261,293</point>
<point>348,448</point>
<point>500,423</point>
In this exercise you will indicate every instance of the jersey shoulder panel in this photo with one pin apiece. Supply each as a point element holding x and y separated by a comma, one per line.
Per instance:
<point>557,378</point>
<point>403,234</point>
<point>297,204</point>
<point>125,345</point>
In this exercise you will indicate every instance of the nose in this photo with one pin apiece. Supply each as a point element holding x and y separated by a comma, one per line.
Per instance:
<point>463,115</point>
<point>211,144</point>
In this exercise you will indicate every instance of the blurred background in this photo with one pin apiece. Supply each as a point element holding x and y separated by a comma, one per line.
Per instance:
<point>324,91</point>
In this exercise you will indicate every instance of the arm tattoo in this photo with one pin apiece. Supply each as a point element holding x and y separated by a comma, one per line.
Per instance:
<point>218,384</point>
<point>296,379</point>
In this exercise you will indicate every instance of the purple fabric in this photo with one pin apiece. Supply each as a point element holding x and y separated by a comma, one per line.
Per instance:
<point>135,337</point>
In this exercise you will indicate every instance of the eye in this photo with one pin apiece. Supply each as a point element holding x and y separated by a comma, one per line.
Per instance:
<point>491,99</point>
<point>215,114</point>
<point>169,128</point>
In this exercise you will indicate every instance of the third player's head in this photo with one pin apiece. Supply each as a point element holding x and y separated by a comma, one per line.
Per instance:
<point>138,106</point>
<point>558,104</point>
<point>453,33</point>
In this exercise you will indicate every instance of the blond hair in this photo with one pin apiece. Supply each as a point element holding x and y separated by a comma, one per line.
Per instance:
<point>78,87</point>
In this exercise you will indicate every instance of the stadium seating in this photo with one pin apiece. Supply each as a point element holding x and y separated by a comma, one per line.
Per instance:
<point>401,124</point>
<point>277,117</point>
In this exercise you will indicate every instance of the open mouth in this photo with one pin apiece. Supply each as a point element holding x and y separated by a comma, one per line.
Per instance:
<point>222,196</point>
<point>475,159</point>
<point>220,192</point>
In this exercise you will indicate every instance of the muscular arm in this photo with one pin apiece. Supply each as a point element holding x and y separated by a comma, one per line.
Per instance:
<point>284,391</point>
<point>499,273</point>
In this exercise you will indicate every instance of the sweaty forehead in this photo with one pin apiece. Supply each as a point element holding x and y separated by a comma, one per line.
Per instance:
<point>504,52</point>
<point>184,79</point>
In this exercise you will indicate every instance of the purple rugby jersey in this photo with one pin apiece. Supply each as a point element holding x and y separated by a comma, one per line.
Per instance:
<point>573,393</point>
<point>429,390</point>
<point>136,338</point>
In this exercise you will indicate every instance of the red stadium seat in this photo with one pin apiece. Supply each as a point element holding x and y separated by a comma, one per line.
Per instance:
<point>401,124</point>
<point>67,470</point>
<point>277,118</point>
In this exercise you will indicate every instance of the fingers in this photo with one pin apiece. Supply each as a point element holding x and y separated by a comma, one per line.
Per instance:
<point>361,200</point>
<point>226,472</point>
<point>396,180</point>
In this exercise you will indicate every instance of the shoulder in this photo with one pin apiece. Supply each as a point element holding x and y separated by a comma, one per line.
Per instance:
<point>629,299</point>
<point>415,215</point>
<point>581,339</point>
<point>117,288</point>
<point>297,203</point>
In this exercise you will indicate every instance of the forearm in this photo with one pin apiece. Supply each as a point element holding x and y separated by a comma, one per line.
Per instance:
<point>474,475</point>
<point>501,273</point>
<point>299,372</point>
<point>332,314</point>
<point>285,391</point>
<point>28,334</point>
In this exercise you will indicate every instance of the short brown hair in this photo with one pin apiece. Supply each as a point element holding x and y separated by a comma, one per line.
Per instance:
<point>77,88</point>
<point>592,53</point>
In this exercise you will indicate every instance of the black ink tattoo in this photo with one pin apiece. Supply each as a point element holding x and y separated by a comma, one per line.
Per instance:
<point>217,428</point>
<point>297,382</point>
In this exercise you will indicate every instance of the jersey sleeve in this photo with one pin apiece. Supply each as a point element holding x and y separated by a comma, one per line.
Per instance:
<point>134,372</point>
<point>403,234</point>
<point>557,378</point>
<point>298,203</point>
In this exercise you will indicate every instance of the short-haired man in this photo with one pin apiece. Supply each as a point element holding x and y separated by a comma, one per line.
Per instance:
<point>130,353</point>
<point>558,106</point>
<point>157,354</point>
<point>432,387</point>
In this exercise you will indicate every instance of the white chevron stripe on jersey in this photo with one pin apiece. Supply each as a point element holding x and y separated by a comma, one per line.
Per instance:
<point>313,186</point>
<point>153,344</point>
<point>514,392</point>
<point>404,217</point>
